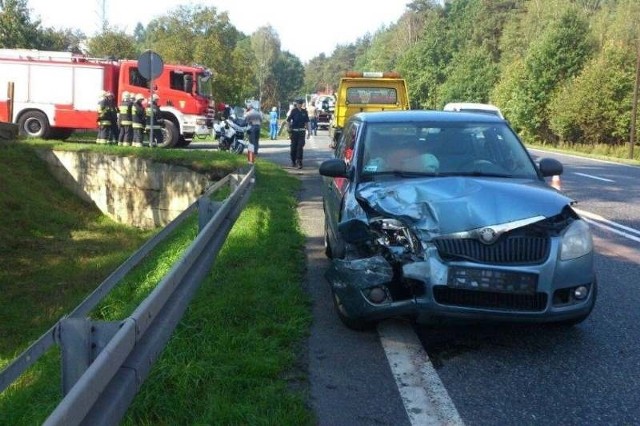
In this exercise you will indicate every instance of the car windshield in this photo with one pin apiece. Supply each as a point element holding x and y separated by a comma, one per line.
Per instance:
<point>444,149</point>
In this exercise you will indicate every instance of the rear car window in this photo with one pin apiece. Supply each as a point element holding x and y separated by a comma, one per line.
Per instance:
<point>372,95</point>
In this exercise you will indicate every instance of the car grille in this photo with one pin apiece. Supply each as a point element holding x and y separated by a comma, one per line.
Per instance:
<point>489,300</point>
<point>506,251</point>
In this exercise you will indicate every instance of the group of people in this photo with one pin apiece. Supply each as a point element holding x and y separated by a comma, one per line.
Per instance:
<point>125,124</point>
<point>300,123</point>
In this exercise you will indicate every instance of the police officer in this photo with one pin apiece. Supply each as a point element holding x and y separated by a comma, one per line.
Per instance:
<point>153,107</point>
<point>104,119</point>
<point>125,133</point>
<point>138,120</point>
<point>298,120</point>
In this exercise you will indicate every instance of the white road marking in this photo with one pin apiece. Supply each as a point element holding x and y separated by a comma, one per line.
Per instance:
<point>593,177</point>
<point>616,228</point>
<point>424,396</point>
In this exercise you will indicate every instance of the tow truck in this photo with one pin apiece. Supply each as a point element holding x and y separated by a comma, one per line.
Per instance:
<point>365,92</point>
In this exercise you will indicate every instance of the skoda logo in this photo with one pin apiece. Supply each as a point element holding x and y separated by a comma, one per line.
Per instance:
<point>487,235</point>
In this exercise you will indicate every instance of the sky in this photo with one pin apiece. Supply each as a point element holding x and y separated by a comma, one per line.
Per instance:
<point>305,28</point>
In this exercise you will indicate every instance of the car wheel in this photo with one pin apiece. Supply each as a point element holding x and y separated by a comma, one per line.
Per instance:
<point>356,324</point>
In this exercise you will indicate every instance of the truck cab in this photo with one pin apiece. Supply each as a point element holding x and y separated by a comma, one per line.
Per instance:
<point>367,92</point>
<point>184,100</point>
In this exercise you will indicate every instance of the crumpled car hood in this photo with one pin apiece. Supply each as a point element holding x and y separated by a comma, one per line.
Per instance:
<point>446,205</point>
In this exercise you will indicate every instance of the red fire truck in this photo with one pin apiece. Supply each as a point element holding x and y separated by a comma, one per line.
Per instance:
<point>56,93</point>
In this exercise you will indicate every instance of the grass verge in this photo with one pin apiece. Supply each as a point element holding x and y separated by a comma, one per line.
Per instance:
<point>234,358</point>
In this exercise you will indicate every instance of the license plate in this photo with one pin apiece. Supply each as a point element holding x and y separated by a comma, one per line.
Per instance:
<point>493,281</point>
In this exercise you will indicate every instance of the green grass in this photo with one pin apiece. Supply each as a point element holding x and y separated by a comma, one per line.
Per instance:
<point>234,358</point>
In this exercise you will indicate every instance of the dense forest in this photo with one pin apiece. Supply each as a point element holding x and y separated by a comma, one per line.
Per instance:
<point>562,71</point>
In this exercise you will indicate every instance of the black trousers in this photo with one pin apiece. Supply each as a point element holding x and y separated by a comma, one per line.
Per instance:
<point>297,145</point>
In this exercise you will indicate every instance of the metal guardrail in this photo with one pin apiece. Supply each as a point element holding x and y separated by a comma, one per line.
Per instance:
<point>105,363</point>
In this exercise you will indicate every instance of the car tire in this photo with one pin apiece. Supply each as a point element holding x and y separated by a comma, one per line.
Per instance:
<point>356,324</point>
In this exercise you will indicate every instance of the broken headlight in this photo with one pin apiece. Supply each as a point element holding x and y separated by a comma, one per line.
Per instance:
<point>395,237</point>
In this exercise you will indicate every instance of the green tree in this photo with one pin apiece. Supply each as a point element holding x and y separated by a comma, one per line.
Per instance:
<point>17,30</point>
<point>113,44</point>
<point>265,43</point>
<point>289,72</point>
<point>559,54</point>
<point>314,76</point>
<point>595,107</point>
<point>200,35</point>
<point>471,76</point>
<point>67,40</point>
<point>424,64</point>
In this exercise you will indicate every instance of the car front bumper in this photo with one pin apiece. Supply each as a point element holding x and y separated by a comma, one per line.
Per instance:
<point>429,294</point>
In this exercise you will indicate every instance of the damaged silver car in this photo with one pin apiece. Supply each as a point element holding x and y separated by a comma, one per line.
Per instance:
<point>437,215</point>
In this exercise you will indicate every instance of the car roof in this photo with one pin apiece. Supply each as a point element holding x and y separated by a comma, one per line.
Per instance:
<point>408,116</point>
<point>472,107</point>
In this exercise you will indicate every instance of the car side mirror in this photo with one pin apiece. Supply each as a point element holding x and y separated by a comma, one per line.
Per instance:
<point>550,167</point>
<point>334,167</point>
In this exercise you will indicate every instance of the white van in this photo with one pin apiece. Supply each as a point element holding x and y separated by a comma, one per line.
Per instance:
<point>473,107</point>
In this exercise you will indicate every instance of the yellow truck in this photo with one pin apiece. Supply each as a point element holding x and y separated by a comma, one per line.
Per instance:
<point>366,92</point>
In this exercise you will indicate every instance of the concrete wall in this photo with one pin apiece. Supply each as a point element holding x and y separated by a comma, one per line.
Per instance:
<point>134,191</point>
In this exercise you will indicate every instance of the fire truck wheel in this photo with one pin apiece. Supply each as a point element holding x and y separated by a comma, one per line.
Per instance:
<point>171,135</point>
<point>34,124</point>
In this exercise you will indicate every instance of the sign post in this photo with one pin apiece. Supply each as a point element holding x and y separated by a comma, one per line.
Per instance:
<point>150,66</point>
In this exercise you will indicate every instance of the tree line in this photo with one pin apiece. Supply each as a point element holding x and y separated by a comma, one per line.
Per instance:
<point>562,71</point>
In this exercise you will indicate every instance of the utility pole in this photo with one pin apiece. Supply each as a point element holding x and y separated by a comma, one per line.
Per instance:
<point>101,12</point>
<point>634,108</point>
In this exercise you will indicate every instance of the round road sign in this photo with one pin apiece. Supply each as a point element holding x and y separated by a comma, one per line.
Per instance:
<point>150,65</point>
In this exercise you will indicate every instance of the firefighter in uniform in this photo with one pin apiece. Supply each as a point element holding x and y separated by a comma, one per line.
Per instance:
<point>157,137</point>
<point>125,134</point>
<point>104,119</point>
<point>138,120</point>
<point>113,118</point>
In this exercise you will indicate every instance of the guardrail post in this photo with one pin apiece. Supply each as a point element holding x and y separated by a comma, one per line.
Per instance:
<point>81,340</point>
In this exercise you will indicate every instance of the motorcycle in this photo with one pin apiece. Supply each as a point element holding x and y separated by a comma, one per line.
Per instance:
<point>230,134</point>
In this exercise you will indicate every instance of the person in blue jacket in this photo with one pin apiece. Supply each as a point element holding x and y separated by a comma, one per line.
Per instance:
<point>273,123</point>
